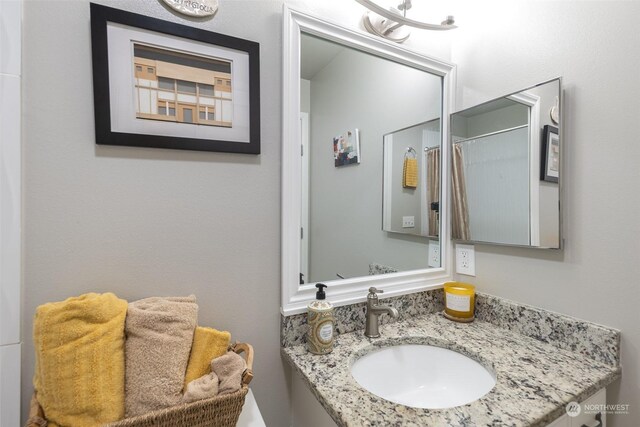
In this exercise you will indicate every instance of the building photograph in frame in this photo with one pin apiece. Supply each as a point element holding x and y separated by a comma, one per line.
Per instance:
<point>164,85</point>
<point>182,88</point>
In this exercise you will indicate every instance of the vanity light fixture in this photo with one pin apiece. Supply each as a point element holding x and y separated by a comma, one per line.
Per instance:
<point>391,23</point>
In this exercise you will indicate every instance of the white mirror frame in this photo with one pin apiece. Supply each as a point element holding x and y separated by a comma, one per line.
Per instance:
<point>295,297</point>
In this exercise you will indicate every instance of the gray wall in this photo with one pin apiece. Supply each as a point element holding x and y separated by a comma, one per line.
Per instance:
<point>596,276</point>
<point>142,222</point>
<point>357,90</point>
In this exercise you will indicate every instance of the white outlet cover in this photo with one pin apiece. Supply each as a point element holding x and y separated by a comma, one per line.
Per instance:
<point>465,260</point>
<point>434,254</point>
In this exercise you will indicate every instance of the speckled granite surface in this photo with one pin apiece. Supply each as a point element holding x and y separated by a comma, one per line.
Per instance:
<point>597,342</point>
<point>589,339</point>
<point>350,318</point>
<point>535,380</point>
<point>375,268</point>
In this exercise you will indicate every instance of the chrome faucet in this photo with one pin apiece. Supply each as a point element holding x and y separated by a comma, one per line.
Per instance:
<point>374,311</point>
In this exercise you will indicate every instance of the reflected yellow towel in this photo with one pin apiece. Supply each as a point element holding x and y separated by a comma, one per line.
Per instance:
<point>410,173</point>
<point>79,346</point>
<point>208,343</point>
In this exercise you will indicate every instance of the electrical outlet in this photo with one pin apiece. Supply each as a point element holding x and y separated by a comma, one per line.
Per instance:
<point>465,260</point>
<point>408,221</point>
<point>434,253</point>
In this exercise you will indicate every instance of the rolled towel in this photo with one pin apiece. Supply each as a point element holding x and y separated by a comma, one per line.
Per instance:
<point>229,369</point>
<point>79,369</point>
<point>201,388</point>
<point>208,343</point>
<point>159,336</point>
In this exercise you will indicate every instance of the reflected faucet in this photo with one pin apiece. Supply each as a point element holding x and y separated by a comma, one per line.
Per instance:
<point>374,311</point>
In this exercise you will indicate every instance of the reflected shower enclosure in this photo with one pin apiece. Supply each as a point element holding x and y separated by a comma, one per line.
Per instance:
<point>501,151</point>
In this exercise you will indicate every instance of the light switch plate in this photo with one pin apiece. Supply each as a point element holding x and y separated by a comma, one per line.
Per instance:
<point>408,221</point>
<point>465,260</point>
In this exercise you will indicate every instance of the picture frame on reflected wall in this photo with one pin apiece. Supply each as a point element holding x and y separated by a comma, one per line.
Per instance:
<point>165,85</point>
<point>550,154</point>
<point>346,148</point>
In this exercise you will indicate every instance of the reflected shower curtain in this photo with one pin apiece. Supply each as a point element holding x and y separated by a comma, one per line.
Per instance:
<point>433,189</point>
<point>460,217</point>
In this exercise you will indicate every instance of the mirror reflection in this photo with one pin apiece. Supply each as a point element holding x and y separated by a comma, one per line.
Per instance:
<point>349,100</point>
<point>506,170</point>
<point>411,198</point>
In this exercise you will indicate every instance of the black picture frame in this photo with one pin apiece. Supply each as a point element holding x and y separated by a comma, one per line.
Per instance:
<point>105,133</point>
<point>550,154</point>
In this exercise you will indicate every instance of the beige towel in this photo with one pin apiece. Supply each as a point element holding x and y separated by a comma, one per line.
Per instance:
<point>208,343</point>
<point>229,369</point>
<point>79,348</point>
<point>159,336</point>
<point>202,388</point>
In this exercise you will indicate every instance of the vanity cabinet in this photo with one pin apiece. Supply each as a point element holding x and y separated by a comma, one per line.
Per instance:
<point>585,419</point>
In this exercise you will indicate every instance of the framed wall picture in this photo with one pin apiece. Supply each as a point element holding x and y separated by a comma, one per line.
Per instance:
<point>346,148</point>
<point>550,156</point>
<point>165,85</point>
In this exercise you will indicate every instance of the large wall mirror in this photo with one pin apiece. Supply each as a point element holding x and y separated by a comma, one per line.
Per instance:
<point>362,163</point>
<point>351,102</point>
<point>506,169</point>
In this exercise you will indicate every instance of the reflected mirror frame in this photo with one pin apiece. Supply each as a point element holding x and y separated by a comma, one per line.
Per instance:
<point>294,298</point>
<point>560,126</point>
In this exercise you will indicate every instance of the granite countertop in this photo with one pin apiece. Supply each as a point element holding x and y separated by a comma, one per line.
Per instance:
<point>534,379</point>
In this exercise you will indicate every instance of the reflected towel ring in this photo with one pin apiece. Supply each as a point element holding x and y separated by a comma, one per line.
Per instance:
<point>411,150</point>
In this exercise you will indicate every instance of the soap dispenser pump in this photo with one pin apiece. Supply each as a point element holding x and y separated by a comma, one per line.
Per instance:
<point>321,323</point>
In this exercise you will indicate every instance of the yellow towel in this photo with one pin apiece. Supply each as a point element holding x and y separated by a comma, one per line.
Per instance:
<point>79,346</point>
<point>410,173</point>
<point>208,343</point>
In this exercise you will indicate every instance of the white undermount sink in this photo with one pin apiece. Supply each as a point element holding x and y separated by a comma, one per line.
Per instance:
<point>422,376</point>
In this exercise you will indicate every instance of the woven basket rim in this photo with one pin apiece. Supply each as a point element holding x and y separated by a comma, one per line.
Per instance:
<point>236,395</point>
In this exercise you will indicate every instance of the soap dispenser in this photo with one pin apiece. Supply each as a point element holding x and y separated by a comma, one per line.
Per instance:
<point>321,323</point>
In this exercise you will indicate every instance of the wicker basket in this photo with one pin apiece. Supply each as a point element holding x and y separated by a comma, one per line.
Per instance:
<point>219,411</point>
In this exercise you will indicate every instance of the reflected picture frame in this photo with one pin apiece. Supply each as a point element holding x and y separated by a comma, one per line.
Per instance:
<point>550,155</point>
<point>165,85</point>
<point>346,148</point>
